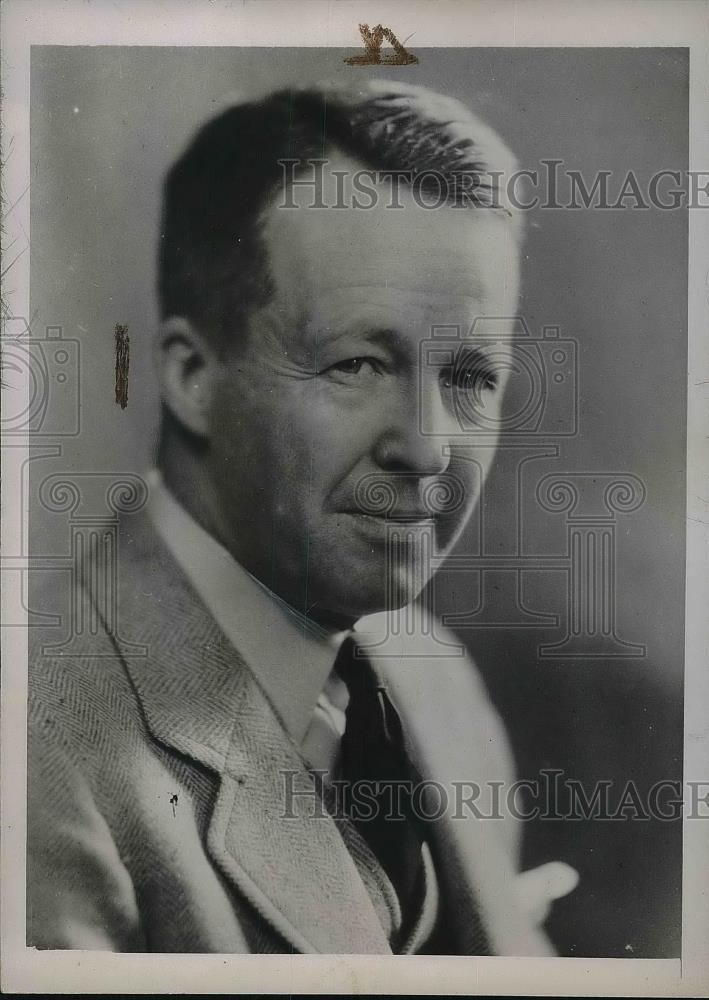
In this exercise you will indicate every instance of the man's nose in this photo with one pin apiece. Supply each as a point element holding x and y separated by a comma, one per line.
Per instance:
<point>418,434</point>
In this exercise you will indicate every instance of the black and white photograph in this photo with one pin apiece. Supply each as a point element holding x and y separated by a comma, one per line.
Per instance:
<point>351,599</point>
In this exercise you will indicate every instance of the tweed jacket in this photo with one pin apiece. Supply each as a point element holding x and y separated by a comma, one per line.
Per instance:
<point>157,818</point>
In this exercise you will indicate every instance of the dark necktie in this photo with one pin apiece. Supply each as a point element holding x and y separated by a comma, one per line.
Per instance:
<point>373,752</point>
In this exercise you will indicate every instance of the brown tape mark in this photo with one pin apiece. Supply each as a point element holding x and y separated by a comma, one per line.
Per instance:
<point>372,55</point>
<point>122,361</point>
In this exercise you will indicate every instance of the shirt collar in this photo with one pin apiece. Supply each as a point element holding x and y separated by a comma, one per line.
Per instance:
<point>290,655</point>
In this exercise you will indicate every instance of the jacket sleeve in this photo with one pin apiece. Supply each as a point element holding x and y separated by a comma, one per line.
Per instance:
<point>79,893</point>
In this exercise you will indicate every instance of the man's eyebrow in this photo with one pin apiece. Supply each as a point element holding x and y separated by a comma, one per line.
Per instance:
<point>384,336</point>
<point>438,350</point>
<point>449,351</point>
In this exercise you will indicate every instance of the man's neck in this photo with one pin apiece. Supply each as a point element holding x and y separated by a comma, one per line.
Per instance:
<point>195,496</point>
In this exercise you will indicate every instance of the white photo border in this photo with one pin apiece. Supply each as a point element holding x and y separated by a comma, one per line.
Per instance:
<point>467,23</point>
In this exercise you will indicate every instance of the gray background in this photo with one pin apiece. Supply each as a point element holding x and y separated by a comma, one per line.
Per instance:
<point>106,122</point>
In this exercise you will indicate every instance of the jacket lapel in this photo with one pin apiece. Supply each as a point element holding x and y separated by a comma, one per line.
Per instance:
<point>458,740</point>
<point>281,851</point>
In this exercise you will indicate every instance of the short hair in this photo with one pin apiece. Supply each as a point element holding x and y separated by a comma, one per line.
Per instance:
<point>213,267</point>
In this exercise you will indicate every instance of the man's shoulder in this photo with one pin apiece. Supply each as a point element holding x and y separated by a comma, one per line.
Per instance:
<point>84,620</point>
<point>79,693</point>
<point>85,703</point>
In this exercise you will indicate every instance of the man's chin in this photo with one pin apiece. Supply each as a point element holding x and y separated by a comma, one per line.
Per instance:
<point>386,595</point>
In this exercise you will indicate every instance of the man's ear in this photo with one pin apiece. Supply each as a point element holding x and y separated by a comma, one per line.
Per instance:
<point>187,368</point>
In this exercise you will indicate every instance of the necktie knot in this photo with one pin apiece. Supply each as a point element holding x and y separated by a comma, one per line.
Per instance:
<point>373,726</point>
<point>355,669</point>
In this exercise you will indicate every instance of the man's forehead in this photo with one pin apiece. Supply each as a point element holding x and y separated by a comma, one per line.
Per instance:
<point>421,254</point>
<point>358,203</point>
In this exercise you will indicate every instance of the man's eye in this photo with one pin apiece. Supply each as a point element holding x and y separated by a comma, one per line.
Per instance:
<point>352,366</point>
<point>469,378</point>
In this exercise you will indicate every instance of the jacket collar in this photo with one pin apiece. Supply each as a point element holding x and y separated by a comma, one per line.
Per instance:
<point>457,737</point>
<point>200,697</point>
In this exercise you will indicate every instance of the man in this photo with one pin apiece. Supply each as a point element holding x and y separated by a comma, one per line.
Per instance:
<point>227,792</point>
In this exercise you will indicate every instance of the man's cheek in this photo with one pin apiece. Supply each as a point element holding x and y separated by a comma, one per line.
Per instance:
<point>467,470</point>
<point>334,450</point>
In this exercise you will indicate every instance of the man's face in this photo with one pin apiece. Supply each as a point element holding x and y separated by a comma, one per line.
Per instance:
<point>317,456</point>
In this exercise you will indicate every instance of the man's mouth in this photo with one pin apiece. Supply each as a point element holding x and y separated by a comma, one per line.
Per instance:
<point>411,517</point>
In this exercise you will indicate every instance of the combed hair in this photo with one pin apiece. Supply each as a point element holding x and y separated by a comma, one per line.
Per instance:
<point>213,266</point>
